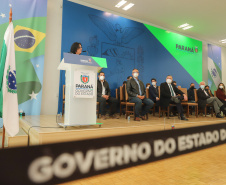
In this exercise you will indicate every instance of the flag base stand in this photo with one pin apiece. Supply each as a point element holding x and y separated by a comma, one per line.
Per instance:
<point>65,126</point>
<point>3,137</point>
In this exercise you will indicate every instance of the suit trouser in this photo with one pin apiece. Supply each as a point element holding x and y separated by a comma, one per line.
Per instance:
<point>177,101</point>
<point>112,102</point>
<point>148,104</point>
<point>216,103</point>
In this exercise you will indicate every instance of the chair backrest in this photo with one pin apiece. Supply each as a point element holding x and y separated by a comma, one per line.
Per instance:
<point>147,93</point>
<point>185,91</point>
<point>63,92</point>
<point>196,96</point>
<point>116,93</point>
<point>122,93</point>
<point>215,93</point>
<point>159,91</point>
<point>126,94</point>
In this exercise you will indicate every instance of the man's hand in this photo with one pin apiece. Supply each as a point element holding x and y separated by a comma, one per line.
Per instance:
<point>140,97</point>
<point>185,97</point>
<point>157,99</point>
<point>106,97</point>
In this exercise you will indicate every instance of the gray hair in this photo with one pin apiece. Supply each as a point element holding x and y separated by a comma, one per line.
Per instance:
<point>202,82</point>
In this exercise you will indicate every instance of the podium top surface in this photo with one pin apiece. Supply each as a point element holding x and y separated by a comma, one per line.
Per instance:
<point>70,58</point>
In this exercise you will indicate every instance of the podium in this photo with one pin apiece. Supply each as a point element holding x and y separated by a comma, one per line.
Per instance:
<point>80,88</point>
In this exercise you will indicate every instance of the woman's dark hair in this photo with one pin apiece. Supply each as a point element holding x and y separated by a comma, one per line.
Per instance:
<point>223,87</point>
<point>75,46</point>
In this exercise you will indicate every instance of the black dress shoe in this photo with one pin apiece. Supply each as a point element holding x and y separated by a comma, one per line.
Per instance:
<point>219,116</point>
<point>223,108</point>
<point>183,118</point>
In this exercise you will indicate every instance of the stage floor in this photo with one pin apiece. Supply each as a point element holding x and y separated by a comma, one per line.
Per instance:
<point>43,129</point>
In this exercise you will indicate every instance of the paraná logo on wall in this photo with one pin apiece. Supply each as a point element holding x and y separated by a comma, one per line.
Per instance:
<point>186,48</point>
<point>196,49</point>
<point>84,79</point>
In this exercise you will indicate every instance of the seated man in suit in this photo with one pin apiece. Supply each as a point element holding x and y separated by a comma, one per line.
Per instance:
<point>154,91</point>
<point>104,95</point>
<point>136,92</point>
<point>191,95</point>
<point>168,95</point>
<point>204,98</point>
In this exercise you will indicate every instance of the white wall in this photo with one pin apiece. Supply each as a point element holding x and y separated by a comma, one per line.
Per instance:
<point>223,59</point>
<point>52,58</point>
<point>53,52</point>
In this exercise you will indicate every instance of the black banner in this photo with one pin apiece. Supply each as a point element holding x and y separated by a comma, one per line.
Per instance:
<point>58,163</point>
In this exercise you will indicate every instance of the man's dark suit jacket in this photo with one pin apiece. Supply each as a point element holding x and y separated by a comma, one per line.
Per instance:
<point>165,94</point>
<point>133,89</point>
<point>202,98</point>
<point>191,95</point>
<point>153,93</point>
<point>99,88</point>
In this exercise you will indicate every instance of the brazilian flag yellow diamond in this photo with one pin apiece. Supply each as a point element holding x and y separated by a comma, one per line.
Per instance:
<point>27,39</point>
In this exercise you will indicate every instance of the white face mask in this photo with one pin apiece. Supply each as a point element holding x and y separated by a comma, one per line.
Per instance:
<point>101,77</point>
<point>202,86</point>
<point>135,75</point>
<point>147,87</point>
<point>153,83</point>
<point>169,81</point>
<point>221,86</point>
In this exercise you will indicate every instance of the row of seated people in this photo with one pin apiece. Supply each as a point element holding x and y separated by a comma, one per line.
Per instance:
<point>169,93</point>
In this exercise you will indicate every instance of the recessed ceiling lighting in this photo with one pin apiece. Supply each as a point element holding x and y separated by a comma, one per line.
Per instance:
<point>183,25</point>
<point>128,6</point>
<point>187,27</point>
<point>223,41</point>
<point>120,4</point>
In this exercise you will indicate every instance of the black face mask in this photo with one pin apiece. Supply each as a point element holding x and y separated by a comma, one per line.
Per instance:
<point>192,87</point>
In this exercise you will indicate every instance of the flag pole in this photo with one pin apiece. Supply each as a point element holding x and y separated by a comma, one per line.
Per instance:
<point>3,134</point>
<point>10,15</point>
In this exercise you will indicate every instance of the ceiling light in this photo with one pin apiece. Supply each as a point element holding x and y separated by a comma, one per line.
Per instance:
<point>187,27</point>
<point>120,4</point>
<point>223,41</point>
<point>183,25</point>
<point>128,6</point>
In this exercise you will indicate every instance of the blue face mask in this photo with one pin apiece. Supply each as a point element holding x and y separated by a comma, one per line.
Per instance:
<point>202,86</point>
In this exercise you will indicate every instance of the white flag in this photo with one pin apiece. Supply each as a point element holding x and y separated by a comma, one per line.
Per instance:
<point>8,87</point>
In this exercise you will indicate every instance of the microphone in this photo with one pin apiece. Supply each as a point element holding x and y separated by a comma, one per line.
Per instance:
<point>86,52</point>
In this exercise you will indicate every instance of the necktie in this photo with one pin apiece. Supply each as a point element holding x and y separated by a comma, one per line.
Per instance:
<point>171,90</point>
<point>205,93</point>
<point>103,88</point>
<point>138,86</point>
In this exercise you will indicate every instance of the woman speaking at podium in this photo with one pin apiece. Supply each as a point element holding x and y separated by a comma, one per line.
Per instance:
<point>76,48</point>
